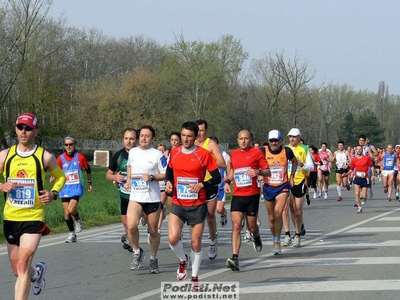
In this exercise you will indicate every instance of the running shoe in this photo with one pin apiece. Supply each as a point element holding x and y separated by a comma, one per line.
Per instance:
<point>359,210</point>
<point>319,195</point>
<point>397,196</point>
<point>385,189</point>
<point>123,238</point>
<point>287,241</point>
<point>303,230</point>
<point>154,266</point>
<point>195,283</point>
<point>233,264</point>
<point>308,201</point>
<point>363,201</point>
<point>389,198</point>
<point>277,248</point>
<point>296,241</point>
<point>325,195</point>
<point>71,238</point>
<point>248,236</point>
<point>315,195</point>
<point>78,225</point>
<point>182,268</point>
<point>355,205</point>
<point>258,221</point>
<point>39,283</point>
<point>143,221</point>
<point>138,258</point>
<point>257,244</point>
<point>348,187</point>
<point>212,251</point>
<point>224,220</point>
<point>126,245</point>
<point>339,198</point>
<point>243,221</point>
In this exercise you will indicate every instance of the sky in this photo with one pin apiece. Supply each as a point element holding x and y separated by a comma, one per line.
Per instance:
<point>353,42</point>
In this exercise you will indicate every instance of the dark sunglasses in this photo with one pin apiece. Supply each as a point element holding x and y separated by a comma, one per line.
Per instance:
<point>274,141</point>
<point>22,127</point>
<point>71,144</point>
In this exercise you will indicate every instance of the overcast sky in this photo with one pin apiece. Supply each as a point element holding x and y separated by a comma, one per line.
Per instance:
<point>356,42</point>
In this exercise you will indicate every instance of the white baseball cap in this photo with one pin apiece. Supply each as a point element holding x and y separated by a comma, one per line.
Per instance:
<point>294,132</point>
<point>274,135</point>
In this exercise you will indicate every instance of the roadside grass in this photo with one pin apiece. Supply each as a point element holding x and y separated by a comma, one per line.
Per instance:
<point>99,207</point>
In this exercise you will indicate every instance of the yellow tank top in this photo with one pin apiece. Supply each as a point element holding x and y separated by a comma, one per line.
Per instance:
<point>205,146</point>
<point>23,203</point>
<point>300,152</point>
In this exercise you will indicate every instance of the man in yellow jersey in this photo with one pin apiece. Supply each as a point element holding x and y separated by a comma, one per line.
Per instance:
<point>298,190</point>
<point>211,192</point>
<point>24,169</point>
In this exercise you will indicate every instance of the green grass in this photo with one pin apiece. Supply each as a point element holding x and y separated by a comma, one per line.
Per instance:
<point>99,207</point>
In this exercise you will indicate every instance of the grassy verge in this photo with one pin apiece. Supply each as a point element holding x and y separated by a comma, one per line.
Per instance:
<point>99,207</point>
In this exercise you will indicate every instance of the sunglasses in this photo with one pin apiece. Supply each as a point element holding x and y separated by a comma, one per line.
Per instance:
<point>22,127</point>
<point>274,141</point>
<point>70,145</point>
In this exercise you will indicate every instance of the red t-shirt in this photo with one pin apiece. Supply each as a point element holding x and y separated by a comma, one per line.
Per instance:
<point>190,168</point>
<point>361,164</point>
<point>317,160</point>
<point>241,162</point>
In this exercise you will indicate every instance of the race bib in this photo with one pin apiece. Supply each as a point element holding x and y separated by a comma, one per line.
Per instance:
<point>389,162</point>
<point>23,194</point>
<point>360,174</point>
<point>72,177</point>
<point>138,184</point>
<point>277,174</point>
<point>241,178</point>
<point>183,190</point>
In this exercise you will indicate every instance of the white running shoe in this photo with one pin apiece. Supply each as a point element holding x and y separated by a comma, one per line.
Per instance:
<point>296,241</point>
<point>78,225</point>
<point>315,195</point>
<point>258,221</point>
<point>39,283</point>
<point>224,220</point>
<point>359,210</point>
<point>248,236</point>
<point>325,195</point>
<point>181,272</point>
<point>287,241</point>
<point>71,238</point>
<point>212,251</point>
<point>277,248</point>
<point>138,258</point>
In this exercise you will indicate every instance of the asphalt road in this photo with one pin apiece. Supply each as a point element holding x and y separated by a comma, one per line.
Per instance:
<point>344,255</point>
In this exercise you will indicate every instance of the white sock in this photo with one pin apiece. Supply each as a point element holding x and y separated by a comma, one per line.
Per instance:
<point>339,190</point>
<point>196,262</point>
<point>178,250</point>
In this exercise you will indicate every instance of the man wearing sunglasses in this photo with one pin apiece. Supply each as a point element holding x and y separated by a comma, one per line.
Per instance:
<point>73,163</point>
<point>24,169</point>
<point>276,187</point>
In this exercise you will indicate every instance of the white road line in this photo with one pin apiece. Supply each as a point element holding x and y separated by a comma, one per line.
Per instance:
<point>374,229</point>
<point>390,219</point>
<point>320,286</point>
<point>352,244</point>
<point>287,285</point>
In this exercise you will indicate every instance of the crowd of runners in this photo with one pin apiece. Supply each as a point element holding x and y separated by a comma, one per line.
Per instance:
<point>190,178</point>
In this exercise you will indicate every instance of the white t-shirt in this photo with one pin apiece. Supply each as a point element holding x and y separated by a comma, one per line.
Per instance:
<point>145,162</point>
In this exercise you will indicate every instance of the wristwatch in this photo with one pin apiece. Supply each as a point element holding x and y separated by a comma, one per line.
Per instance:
<point>55,195</point>
<point>152,177</point>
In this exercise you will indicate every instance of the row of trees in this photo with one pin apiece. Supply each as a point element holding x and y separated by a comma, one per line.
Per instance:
<point>84,83</point>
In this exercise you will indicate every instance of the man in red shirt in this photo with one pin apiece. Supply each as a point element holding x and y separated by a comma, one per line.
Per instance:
<point>359,166</point>
<point>185,174</point>
<point>246,164</point>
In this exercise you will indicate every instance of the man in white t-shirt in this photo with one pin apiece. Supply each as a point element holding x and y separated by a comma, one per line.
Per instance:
<point>144,171</point>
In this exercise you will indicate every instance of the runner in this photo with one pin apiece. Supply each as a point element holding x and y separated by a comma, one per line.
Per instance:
<point>324,170</point>
<point>276,187</point>
<point>24,168</point>
<point>296,197</point>
<point>313,175</point>
<point>246,164</point>
<point>73,163</point>
<point>389,162</point>
<point>117,174</point>
<point>144,171</point>
<point>342,169</point>
<point>212,192</point>
<point>185,177</point>
<point>359,166</point>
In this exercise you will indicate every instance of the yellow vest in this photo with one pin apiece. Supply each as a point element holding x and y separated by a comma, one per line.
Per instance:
<point>205,146</point>
<point>23,203</point>
<point>300,152</point>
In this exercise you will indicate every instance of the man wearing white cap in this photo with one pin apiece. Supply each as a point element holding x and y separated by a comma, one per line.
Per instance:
<point>298,190</point>
<point>276,187</point>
